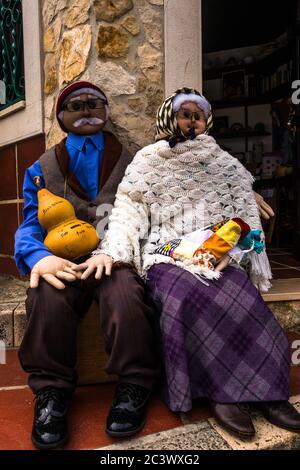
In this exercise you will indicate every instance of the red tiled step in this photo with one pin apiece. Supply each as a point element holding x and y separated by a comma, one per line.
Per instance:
<point>86,418</point>
<point>11,373</point>
<point>88,410</point>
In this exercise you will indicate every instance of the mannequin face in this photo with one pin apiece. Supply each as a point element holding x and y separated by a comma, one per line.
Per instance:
<point>71,118</point>
<point>191,116</point>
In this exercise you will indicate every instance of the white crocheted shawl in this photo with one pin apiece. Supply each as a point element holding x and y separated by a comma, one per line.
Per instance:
<point>167,193</point>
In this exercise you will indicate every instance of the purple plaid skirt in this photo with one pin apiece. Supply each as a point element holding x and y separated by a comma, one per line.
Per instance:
<point>220,341</point>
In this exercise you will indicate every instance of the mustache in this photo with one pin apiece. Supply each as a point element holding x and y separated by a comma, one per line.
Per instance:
<point>93,121</point>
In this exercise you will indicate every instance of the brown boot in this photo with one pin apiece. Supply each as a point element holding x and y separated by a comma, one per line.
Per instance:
<point>234,417</point>
<point>282,414</point>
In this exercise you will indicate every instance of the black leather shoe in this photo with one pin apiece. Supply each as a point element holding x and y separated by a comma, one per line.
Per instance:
<point>234,417</point>
<point>127,415</point>
<point>282,414</point>
<point>50,418</point>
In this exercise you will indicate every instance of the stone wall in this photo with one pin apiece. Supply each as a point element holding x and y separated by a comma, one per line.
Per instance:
<point>116,44</point>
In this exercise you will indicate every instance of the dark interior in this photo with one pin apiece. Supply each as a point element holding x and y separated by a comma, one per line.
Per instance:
<point>234,23</point>
<point>266,81</point>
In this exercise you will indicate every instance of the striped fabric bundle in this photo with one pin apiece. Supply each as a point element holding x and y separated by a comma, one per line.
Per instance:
<point>214,243</point>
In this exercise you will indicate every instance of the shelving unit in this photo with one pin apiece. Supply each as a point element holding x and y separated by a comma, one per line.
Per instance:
<point>244,134</point>
<point>239,135</point>
<point>263,65</point>
<point>266,80</point>
<point>275,94</point>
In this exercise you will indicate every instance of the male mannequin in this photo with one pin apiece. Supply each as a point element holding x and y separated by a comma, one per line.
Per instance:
<point>86,169</point>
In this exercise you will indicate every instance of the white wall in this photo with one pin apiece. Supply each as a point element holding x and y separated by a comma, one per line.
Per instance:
<point>183,45</point>
<point>27,122</point>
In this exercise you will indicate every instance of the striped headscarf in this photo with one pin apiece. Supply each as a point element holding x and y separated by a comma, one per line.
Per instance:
<point>166,122</point>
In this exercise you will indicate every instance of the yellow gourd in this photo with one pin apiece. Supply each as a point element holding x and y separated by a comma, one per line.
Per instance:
<point>67,236</point>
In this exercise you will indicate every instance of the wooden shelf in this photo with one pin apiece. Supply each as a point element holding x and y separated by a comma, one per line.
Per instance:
<point>274,181</point>
<point>239,134</point>
<point>266,65</point>
<point>273,95</point>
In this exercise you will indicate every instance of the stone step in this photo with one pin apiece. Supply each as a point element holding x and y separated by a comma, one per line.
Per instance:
<point>283,299</point>
<point>92,356</point>
<point>12,310</point>
<point>283,289</point>
<point>208,435</point>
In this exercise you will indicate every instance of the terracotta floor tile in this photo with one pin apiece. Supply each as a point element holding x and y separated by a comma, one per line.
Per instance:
<point>277,251</point>
<point>87,414</point>
<point>88,411</point>
<point>86,418</point>
<point>200,411</point>
<point>292,336</point>
<point>15,419</point>
<point>11,373</point>
<point>277,266</point>
<point>295,381</point>
<point>286,260</point>
<point>282,263</point>
<point>160,417</point>
<point>285,273</point>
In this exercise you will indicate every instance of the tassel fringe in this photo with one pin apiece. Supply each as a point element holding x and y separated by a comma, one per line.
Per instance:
<point>260,272</point>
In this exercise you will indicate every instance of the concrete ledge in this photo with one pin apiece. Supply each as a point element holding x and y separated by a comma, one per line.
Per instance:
<point>6,323</point>
<point>208,435</point>
<point>19,324</point>
<point>283,290</point>
<point>268,437</point>
<point>287,313</point>
<point>200,436</point>
<point>12,289</point>
<point>92,356</point>
<point>12,308</point>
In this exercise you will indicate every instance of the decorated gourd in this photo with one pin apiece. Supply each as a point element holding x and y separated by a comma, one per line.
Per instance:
<point>67,236</point>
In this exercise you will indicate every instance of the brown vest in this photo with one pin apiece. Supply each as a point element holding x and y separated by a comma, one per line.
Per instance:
<point>55,173</point>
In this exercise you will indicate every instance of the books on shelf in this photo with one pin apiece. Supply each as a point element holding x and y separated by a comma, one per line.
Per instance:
<point>259,84</point>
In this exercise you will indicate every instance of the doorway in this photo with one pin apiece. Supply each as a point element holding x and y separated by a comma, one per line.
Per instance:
<point>250,62</point>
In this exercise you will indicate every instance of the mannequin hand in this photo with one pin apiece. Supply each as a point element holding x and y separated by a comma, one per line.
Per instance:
<point>265,210</point>
<point>98,263</point>
<point>223,263</point>
<point>52,268</point>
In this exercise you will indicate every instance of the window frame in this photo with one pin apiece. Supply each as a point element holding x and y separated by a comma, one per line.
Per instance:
<point>24,119</point>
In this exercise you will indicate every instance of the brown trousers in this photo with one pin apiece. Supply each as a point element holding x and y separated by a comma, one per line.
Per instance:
<point>48,349</point>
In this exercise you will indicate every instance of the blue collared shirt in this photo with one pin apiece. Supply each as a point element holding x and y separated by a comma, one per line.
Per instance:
<point>29,238</point>
<point>86,166</point>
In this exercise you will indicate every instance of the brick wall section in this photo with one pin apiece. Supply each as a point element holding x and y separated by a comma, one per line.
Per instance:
<point>14,159</point>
